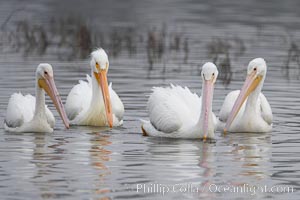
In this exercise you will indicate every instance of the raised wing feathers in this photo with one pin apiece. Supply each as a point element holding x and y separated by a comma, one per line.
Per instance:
<point>171,107</point>
<point>79,98</point>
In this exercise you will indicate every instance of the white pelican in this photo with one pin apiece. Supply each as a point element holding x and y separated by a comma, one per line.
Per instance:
<point>177,113</point>
<point>253,115</point>
<point>94,103</point>
<point>30,114</point>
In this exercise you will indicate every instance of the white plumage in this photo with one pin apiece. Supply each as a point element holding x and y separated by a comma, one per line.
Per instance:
<point>85,103</point>
<point>250,111</point>
<point>177,107</point>
<point>176,112</point>
<point>263,109</point>
<point>20,111</point>
<point>25,114</point>
<point>79,98</point>
<point>79,104</point>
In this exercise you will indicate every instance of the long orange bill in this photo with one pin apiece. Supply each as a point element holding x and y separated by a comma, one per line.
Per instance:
<point>48,85</point>
<point>102,81</point>
<point>250,84</point>
<point>206,105</point>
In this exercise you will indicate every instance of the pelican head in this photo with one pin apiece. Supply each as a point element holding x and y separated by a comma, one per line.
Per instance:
<point>45,80</point>
<point>99,60</point>
<point>209,72</point>
<point>209,75</point>
<point>99,64</point>
<point>256,73</point>
<point>258,67</point>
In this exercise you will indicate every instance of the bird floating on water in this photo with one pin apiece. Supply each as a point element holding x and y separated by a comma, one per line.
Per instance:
<point>94,103</point>
<point>248,110</point>
<point>176,112</point>
<point>30,114</point>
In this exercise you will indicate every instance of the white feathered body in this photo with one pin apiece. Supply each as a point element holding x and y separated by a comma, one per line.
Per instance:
<point>257,118</point>
<point>20,115</point>
<point>174,112</point>
<point>85,105</point>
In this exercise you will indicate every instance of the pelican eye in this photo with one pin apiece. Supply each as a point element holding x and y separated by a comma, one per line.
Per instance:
<point>213,74</point>
<point>254,69</point>
<point>97,66</point>
<point>46,73</point>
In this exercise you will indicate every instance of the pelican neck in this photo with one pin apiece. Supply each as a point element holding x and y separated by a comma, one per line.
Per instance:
<point>39,101</point>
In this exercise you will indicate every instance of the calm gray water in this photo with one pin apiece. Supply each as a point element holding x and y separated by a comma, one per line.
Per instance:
<point>151,43</point>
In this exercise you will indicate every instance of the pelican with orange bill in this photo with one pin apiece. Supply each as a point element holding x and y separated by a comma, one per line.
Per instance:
<point>248,110</point>
<point>30,114</point>
<point>94,102</point>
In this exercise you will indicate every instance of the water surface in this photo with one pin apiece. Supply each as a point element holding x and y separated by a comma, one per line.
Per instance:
<point>150,43</point>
